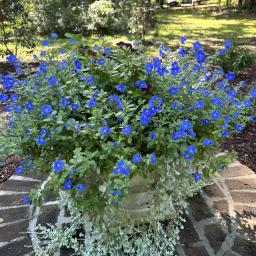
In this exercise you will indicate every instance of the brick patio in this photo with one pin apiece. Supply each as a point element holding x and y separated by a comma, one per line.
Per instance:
<point>210,230</point>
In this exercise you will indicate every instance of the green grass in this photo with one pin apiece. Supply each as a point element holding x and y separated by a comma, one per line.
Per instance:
<point>204,23</point>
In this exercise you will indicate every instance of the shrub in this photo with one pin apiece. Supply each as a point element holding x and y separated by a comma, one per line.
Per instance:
<point>101,16</point>
<point>234,57</point>
<point>60,16</point>
<point>15,27</point>
<point>93,119</point>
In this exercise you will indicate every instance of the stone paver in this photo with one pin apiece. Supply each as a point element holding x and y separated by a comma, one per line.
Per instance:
<point>229,201</point>
<point>211,228</point>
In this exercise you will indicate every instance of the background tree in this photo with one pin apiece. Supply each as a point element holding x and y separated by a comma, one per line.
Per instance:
<point>15,26</point>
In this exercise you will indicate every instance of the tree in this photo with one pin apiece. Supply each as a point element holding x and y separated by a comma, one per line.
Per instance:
<point>247,4</point>
<point>15,26</point>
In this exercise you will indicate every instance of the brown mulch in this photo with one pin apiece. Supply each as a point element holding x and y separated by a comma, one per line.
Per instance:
<point>244,144</point>
<point>9,166</point>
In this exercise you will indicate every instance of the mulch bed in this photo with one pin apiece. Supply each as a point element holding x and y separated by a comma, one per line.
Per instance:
<point>244,144</point>
<point>9,166</point>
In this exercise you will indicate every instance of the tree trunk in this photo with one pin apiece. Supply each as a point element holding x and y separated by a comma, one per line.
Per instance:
<point>161,3</point>
<point>248,4</point>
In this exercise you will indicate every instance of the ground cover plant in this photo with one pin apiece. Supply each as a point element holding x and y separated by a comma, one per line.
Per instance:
<point>94,118</point>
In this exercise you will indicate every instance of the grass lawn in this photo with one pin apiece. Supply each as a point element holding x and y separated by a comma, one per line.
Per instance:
<point>205,23</point>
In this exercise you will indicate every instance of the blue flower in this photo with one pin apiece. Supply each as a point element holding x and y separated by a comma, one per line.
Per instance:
<point>78,127</point>
<point>153,158</point>
<point>45,43</point>
<point>149,67</point>
<point>141,84</point>
<point>90,79</point>
<point>17,108</point>
<point>78,64</point>
<point>119,119</point>
<point>225,133</point>
<point>183,39</point>
<point>228,44</point>
<point>199,104</point>
<point>65,101</point>
<point>239,127</point>
<point>41,140</point>
<point>73,170</point>
<point>44,131</point>
<point>222,51</point>
<point>91,103</point>
<point>121,168</point>
<point>189,152</point>
<point>230,75</point>
<point>68,183</point>
<point>175,68</point>
<point>20,170</point>
<point>26,199</point>
<point>80,187</point>
<point>14,97</point>
<point>185,125</point>
<point>152,135</point>
<point>200,56</point>
<point>215,114</point>
<point>29,105</point>
<point>101,61</point>
<point>58,165</point>
<point>173,90</point>
<point>207,142</point>
<point>182,51</point>
<point>30,165</point>
<point>72,40</point>
<point>197,176</point>
<point>216,100</point>
<point>27,131</point>
<point>116,192</point>
<point>46,109</point>
<point>43,67</point>
<point>53,35</point>
<point>107,51</point>
<point>253,92</point>
<point>177,135</point>
<point>197,45</point>
<point>52,80</point>
<point>136,158</point>
<point>121,88</point>
<point>105,130</point>
<point>3,97</point>
<point>74,106</point>
<point>117,100</point>
<point>12,58</point>
<point>127,129</point>
<point>247,103</point>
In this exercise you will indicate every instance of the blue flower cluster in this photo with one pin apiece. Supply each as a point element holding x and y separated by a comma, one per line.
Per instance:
<point>121,168</point>
<point>78,110</point>
<point>155,106</point>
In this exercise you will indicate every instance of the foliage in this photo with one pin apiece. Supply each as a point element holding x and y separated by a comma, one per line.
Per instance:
<point>60,16</point>
<point>95,118</point>
<point>140,19</point>
<point>101,16</point>
<point>160,237</point>
<point>236,58</point>
<point>15,27</point>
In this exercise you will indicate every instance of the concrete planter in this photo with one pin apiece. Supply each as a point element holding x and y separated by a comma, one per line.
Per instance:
<point>140,204</point>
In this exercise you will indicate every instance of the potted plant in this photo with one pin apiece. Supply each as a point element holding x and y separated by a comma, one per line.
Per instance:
<point>120,131</point>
